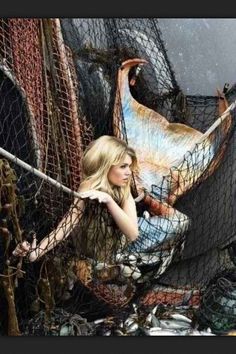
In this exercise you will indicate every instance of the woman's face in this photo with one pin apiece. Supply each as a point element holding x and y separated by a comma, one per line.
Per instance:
<point>119,175</point>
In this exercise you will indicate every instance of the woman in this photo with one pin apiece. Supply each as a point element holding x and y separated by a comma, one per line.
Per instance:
<point>98,232</point>
<point>102,231</point>
<point>104,227</point>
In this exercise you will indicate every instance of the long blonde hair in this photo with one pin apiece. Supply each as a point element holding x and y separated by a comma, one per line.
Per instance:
<point>99,157</point>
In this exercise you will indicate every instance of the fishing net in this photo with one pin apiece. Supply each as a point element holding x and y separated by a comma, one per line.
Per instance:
<point>62,85</point>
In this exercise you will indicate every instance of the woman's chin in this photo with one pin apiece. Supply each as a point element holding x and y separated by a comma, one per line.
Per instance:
<point>120,184</point>
<point>124,182</point>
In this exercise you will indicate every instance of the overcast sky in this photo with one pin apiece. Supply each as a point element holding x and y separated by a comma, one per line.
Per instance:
<point>202,52</point>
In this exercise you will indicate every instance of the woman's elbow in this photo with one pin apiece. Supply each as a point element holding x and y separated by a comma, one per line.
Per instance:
<point>134,235</point>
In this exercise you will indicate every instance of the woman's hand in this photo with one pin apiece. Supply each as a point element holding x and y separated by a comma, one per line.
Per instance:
<point>24,248</point>
<point>102,197</point>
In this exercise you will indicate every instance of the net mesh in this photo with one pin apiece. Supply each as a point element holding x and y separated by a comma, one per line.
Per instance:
<point>63,84</point>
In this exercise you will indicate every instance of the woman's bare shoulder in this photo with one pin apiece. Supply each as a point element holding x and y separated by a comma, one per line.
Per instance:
<point>84,186</point>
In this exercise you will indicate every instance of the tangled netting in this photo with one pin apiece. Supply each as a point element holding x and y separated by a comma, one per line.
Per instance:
<point>63,84</point>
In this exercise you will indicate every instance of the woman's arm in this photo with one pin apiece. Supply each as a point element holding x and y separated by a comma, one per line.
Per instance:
<point>62,231</point>
<point>125,217</point>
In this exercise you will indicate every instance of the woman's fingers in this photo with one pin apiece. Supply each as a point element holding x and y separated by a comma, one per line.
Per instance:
<point>94,194</point>
<point>89,194</point>
<point>24,247</point>
<point>34,242</point>
<point>84,194</point>
<point>19,251</point>
<point>15,252</point>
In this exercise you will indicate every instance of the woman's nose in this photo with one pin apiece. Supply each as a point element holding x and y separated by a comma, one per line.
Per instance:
<point>128,172</point>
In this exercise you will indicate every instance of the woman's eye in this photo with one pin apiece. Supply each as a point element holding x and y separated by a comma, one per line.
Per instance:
<point>124,166</point>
